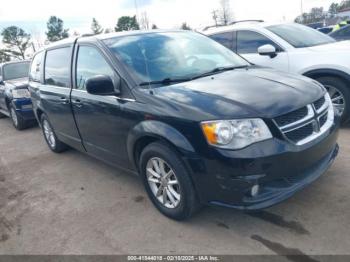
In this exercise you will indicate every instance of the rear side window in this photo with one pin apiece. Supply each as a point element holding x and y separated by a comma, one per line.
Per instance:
<point>57,67</point>
<point>90,63</point>
<point>226,39</point>
<point>248,42</point>
<point>35,68</point>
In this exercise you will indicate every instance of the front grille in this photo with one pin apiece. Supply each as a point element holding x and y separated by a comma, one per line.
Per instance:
<point>319,103</point>
<point>305,124</point>
<point>301,133</point>
<point>291,117</point>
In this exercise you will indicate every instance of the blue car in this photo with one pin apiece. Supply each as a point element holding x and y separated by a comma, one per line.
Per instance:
<point>15,99</point>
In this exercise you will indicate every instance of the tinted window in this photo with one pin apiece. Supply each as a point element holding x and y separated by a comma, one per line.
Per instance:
<point>248,42</point>
<point>300,36</point>
<point>226,39</point>
<point>90,63</point>
<point>57,67</point>
<point>16,70</point>
<point>341,32</point>
<point>35,68</point>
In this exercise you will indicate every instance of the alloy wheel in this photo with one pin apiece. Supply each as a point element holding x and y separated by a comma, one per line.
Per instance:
<point>49,135</point>
<point>163,182</point>
<point>337,98</point>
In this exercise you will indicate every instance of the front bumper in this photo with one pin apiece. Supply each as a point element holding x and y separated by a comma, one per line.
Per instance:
<point>24,108</point>
<point>280,169</point>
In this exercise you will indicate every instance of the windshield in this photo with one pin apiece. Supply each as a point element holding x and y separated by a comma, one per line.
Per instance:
<point>300,36</point>
<point>16,70</point>
<point>154,57</point>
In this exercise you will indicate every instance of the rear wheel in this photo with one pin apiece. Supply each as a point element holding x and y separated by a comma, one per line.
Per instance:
<point>340,95</point>
<point>167,182</point>
<point>50,137</point>
<point>18,122</point>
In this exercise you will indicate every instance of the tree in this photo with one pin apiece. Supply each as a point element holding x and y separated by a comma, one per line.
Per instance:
<point>344,4</point>
<point>154,26</point>
<point>55,29</point>
<point>127,23</point>
<point>185,26</point>
<point>96,28</point>
<point>4,57</point>
<point>333,9</point>
<point>144,21</point>
<point>225,14</point>
<point>16,41</point>
<point>316,14</point>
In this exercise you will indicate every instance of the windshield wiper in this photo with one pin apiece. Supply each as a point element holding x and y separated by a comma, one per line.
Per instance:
<point>219,70</point>
<point>165,81</point>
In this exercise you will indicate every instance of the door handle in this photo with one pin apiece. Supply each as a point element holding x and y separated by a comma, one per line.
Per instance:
<point>77,103</point>
<point>64,100</point>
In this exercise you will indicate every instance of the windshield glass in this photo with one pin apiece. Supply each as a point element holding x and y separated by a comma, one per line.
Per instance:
<point>300,36</point>
<point>174,55</point>
<point>16,70</point>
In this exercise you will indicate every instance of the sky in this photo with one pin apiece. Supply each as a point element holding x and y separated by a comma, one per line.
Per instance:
<point>77,15</point>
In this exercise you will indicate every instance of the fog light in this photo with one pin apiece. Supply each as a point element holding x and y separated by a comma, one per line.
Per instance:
<point>255,190</point>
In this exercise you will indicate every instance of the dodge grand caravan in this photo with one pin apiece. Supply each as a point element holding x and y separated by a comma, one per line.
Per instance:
<point>199,124</point>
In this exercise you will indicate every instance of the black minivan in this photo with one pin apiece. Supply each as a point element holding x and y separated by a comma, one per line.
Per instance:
<point>198,123</point>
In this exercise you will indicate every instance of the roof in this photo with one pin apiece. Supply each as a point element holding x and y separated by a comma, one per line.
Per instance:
<point>344,10</point>
<point>239,25</point>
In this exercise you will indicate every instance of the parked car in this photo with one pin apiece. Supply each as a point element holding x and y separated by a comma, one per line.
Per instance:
<point>15,99</point>
<point>326,30</point>
<point>341,34</point>
<point>197,122</point>
<point>293,48</point>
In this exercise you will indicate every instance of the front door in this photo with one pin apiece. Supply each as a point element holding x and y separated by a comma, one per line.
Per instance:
<point>97,117</point>
<point>248,43</point>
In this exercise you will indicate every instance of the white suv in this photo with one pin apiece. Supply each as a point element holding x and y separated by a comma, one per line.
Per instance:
<point>293,48</point>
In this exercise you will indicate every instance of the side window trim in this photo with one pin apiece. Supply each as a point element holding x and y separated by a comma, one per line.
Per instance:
<point>70,65</point>
<point>76,55</point>
<point>281,50</point>
<point>42,54</point>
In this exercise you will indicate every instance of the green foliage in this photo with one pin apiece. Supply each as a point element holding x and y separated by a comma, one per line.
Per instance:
<point>4,57</point>
<point>16,41</point>
<point>333,9</point>
<point>316,14</point>
<point>185,26</point>
<point>344,4</point>
<point>55,29</point>
<point>96,28</point>
<point>127,23</point>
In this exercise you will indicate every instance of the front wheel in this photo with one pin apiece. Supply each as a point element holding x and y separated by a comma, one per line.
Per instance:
<point>340,95</point>
<point>17,121</point>
<point>50,137</point>
<point>167,182</point>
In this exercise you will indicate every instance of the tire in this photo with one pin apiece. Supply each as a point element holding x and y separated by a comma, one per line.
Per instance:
<point>50,137</point>
<point>178,206</point>
<point>18,122</point>
<point>339,86</point>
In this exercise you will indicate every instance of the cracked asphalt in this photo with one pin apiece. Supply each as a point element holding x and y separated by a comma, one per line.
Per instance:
<point>73,204</point>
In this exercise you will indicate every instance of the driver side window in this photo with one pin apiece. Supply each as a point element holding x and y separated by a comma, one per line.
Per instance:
<point>248,42</point>
<point>90,63</point>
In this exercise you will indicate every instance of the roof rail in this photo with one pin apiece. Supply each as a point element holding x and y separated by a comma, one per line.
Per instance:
<point>243,21</point>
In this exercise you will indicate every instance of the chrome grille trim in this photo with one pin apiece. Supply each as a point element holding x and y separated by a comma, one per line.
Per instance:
<point>313,117</point>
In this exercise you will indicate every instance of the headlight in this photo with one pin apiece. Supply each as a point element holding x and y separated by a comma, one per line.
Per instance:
<point>235,134</point>
<point>20,93</point>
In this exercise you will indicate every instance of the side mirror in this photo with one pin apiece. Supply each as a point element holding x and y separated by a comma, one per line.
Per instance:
<point>101,85</point>
<point>267,50</point>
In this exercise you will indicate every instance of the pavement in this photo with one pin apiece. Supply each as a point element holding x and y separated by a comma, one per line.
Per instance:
<point>70,203</point>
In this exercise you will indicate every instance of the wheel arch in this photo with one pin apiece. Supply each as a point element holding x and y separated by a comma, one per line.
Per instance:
<point>151,131</point>
<point>317,73</point>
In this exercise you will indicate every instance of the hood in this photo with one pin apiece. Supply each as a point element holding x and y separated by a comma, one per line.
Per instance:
<point>253,92</point>
<point>19,83</point>
<point>342,46</point>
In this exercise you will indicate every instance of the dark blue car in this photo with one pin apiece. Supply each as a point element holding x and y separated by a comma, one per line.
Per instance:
<point>15,99</point>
